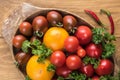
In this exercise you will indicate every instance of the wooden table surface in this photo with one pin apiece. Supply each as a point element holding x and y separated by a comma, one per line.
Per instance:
<point>8,70</point>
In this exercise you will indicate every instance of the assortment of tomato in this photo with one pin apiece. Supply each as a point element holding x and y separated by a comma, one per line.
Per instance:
<point>68,50</point>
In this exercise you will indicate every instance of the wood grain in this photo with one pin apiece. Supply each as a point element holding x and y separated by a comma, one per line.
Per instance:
<point>8,70</point>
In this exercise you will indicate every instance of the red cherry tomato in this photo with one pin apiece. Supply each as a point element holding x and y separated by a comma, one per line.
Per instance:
<point>26,28</point>
<point>73,62</point>
<point>105,67</point>
<point>81,52</point>
<point>87,69</point>
<point>71,44</point>
<point>95,78</point>
<point>94,50</point>
<point>40,24</point>
<point>63,71</point>
<point>58,58</point>
<point>84,35</point>
<point>18,40</point>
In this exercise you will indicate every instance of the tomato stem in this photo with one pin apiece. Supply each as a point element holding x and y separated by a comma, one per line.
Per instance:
<point>110,19</point>
<point>38,34</point>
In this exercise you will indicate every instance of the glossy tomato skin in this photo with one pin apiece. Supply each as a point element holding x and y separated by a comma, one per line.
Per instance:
<point>40,24</point>
<point>18,40</point>
<point>87,69</point>
<point>71,44</point>
<point>73,62</point>
<point>95,78</point>
<point>26,28</point>
<point>94,50</point>
<point>81,52</point>
<point>54,18</point>
<point>84,35</point>
<point>69,22</point>
<point>58,58</point>
<point>105,67</point>
<point>63,71</point>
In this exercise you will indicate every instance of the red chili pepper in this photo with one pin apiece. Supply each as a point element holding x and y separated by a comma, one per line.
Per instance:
<point>94,16</point>
<point>110,19</point>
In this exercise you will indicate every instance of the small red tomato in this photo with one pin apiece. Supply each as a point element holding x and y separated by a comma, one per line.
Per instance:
<point>87,69</point>
<point>26,28</point>
<point>69,22</point>
<point>73,62</point>
<point>18,40</point>
<point>63,71</point>
<point>54,18</point>
<point>40,24</point>
<point>71,44</point>
<point>58,58</point>
<point>84,34</point>
<point>94,50</point>
<point>81,52</point>
<point>95,78</point>
<point>105,67</point>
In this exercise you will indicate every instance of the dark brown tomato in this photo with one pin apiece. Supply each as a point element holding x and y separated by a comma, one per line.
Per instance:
<point>54,18</point>
<point>26,28</point>
<point>69,22</point>
<point>22,58</point>
<point>105,67</point>
<point>40,24</point>
<point>18,40</point>
<point>35,38</point>
<point>63,71</point>
<point>87,69</point>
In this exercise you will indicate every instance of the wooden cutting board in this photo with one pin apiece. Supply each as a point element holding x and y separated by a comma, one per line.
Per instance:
<point>8,70</point>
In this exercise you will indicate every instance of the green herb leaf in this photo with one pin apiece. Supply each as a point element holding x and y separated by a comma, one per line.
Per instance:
<point>60,78</point>
<point>51,67</point>
<point>26,46</point>
<point>27,78</point>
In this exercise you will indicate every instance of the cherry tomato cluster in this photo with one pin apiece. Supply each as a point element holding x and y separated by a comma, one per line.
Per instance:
<point>78,46</point>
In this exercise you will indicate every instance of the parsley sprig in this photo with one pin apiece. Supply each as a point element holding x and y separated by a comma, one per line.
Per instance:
<point>37,48</point>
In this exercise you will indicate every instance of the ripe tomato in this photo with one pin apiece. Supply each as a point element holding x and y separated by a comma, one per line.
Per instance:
<point>73,62</point>
<point>84,34</point>
<point>38,71</point>
<point>26,28</point>
<point>40,24</point>
<point>63,71</point>
<point>81,52</point>
<point>69,22</point>
<point>18,40</point>
<point>54,38</point>
<point>94,50</point>
<point>95,78</point>
<point>105,67</point>
<point>71,44</point>
<point>58,58</point>
<point>54,18</point>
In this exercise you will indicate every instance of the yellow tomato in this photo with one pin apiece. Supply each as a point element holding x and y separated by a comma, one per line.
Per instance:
<point>38,71</point>
<point>54,38</point>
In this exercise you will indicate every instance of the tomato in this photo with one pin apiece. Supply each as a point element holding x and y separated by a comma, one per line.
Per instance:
<point>73,62</point>
<point>18,40</point>
<point>95,78</point>
<point>54,38</point>
<point>105,67</point>
<point>38,71</point>
<point>54,18</point>
<point>69,22</point>
<point>26,28</point>
<point>71,44</point>
<point>58,58</point>
<point>84,34</point>
<point>40,24</point>
<point>87,69</point>
<point>63,71</point>
<point>94,50</point>
<point>22,58</point>
<point>81,52</point>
